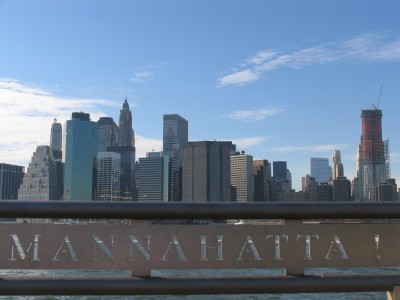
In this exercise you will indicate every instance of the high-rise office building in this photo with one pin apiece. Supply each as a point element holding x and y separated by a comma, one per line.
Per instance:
<point>158,178</point>
<point>337,165</point>
<point>324,192</point>
<point>126,147</point>
<point>320,169</point>
<point>41,181</point>
<point>56,150</point>
<point>175,135</point>
<point>175,138</point>
<point>56,136</point>
<point>262,180</point>
<point>280,169</point>
<point>10,180</point>
<point>341,189</point>
<point>242,180</point>
<point>372,169</point>
<point>126,135</point>
<point>107,133</point>
<point>387,158</point>
<point>79,155</point>
<point>206,171</point>
<point>108,176</point>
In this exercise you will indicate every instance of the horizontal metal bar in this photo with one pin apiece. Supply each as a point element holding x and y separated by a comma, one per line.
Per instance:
<point>161,286</point>
<point>184,210</point>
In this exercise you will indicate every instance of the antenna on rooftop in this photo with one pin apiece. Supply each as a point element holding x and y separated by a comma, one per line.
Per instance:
<point>378,99</point>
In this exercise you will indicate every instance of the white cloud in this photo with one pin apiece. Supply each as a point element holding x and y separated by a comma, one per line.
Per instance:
<point>253,115</point>
<point>144,145</point>
<point>309,148</point>
<point>27,113</point>
<point>142,76</point>
<point>239,78</point>
<point>244,143</point>
<point>367,47</point>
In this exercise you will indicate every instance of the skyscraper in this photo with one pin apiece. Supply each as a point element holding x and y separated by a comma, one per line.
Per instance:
<point>158,178</point>
<point>262,180</point>
<point>372,164</point>
<point>280,169</point>
<point>242,180</point>
<point>175,135</point>
<point>175,138</point>
<point>206,171</point>
<point>108,133</point>
<point>41,180</point>
<point>56,147</point>
<point>126,135</point>
<point>320,169</point>
<point>337,165</point>
<point>341,189</point>
<point>126,147</point>
<point>10,180</point>
<point>79,155</point>
<point>108,176</point>
<point>56,136</point>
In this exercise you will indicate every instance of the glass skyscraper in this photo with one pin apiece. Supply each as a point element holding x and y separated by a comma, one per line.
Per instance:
<point>79,154</point>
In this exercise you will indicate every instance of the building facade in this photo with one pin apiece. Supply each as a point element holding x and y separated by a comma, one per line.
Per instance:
<point>107,134</point>
<point>206,171</point>
<point>158,178</point>
<point>262,180</point>
<point>242,180</point>
<point>126,147</point>
<point>79,156</point>
<point>341,189</point>
<point>41,181</point>
<point>320,169</point>
<point>108,176</point>
<point>337,170</point>
<point>175,135</point>
<point>11,177</point>
<point>56,136</point>
<point>372,169</point>
<point>280,169</point>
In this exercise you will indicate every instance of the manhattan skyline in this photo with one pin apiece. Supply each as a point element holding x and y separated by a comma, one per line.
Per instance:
<point>283,80</point>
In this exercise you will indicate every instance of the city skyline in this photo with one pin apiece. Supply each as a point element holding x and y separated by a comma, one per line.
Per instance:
<point>283,81</point>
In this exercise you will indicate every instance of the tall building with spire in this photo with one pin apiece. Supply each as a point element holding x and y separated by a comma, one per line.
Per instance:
<point>126,135</point>
<point>126,147</point>
<point>337,165</point>
<point>56,147</point>
<point>371,161</point>
<point>56,136</point>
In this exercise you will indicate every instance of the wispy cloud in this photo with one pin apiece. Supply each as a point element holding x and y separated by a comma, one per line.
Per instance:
<point>368,47</point>
<point>143,76</point>
<point>328,148</point>
<point>147,73</point>
<point>27,112</point>
<point>245,143</point>
<point>253,115</point>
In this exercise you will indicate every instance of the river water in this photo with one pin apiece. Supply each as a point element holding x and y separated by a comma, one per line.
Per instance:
<point>119,273</point>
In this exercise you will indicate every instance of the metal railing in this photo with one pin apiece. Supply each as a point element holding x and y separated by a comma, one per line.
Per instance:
<point>193,285</point>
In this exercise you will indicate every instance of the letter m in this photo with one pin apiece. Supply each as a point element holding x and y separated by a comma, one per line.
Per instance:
<point>16,244</point>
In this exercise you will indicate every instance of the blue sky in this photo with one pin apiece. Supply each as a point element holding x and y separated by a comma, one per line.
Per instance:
<point>285,80</point>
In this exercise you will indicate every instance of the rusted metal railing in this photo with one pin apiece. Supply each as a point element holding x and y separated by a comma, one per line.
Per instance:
<point>385,212</point>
